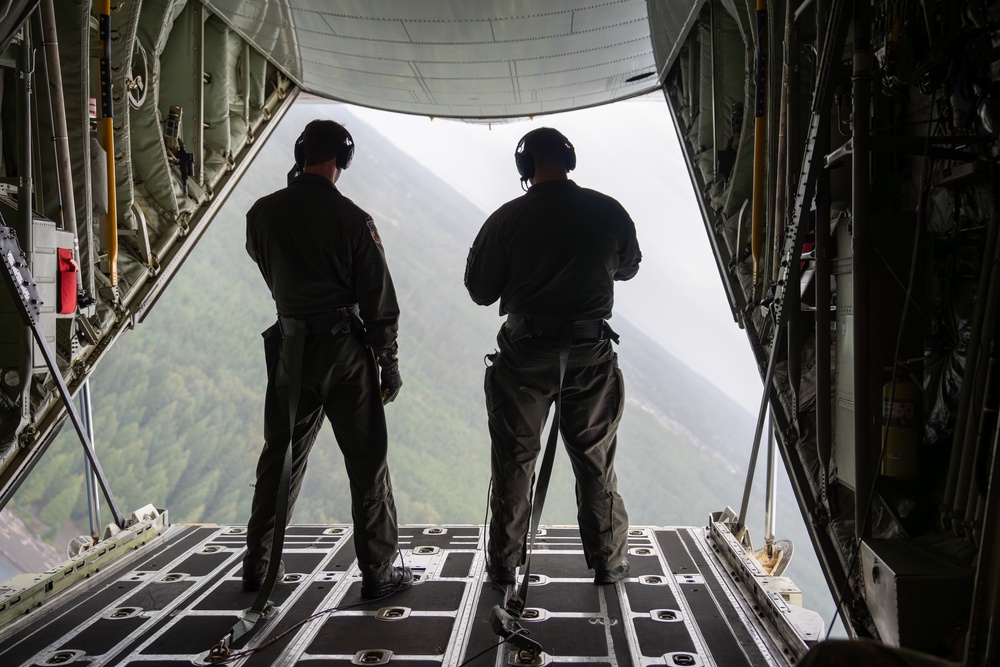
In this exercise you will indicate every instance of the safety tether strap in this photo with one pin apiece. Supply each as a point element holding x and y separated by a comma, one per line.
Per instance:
<point>516,605</point>
<point>293,336</point>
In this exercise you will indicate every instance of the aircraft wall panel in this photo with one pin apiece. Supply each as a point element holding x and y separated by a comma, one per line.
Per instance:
<point>736,89</point>
<point>670,23</point>
<point>258,84</point>
<point>220,67</point>
<point>704,121</point>
<point>732,70</point>
<point>13,336</point>
<point>149,158</point>
<point>73,27</point>
<point>45,241</point>
<point>268,26</point>
<point>181,89</point>
<point>125,24</point>
<point>684,80</point>
<point>843,415</point>
<point>242,12</point>
<point>692,77</point>
<point>915,598</point>
<point>238,124</point>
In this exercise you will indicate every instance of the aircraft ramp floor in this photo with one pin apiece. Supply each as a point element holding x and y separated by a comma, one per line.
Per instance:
<point>167,603</point>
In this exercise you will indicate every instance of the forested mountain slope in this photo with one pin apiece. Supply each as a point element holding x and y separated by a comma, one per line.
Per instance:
<point>178,403</point>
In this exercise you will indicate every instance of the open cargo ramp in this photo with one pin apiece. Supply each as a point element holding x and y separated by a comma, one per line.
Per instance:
<point>167,601</point>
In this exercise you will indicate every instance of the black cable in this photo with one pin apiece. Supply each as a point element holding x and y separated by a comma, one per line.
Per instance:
<point>273,640</point>
<point>921,212</point>
<point>486,516</point>
<point>519,631</point>
<point>250,651</point>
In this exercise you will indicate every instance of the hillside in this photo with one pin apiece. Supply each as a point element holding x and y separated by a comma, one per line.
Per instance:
<point>178,405</point>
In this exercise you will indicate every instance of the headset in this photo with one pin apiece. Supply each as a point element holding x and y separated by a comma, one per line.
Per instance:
<point>344,155</point>
<point>525,160</point>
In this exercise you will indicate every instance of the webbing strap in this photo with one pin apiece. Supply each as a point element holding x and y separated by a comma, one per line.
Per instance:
<point>293,336</point>
<point>544,474</point>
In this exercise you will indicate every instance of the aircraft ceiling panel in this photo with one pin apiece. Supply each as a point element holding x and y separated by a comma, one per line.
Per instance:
<point>449,32</point>
<point>535,27</point>
<point>327,62</point>
<point>358,27</point>
<point>631,56</point>
<point>487,59</point>
<point>602,16</point>
<point>470,71</point>
<point>472,87</point>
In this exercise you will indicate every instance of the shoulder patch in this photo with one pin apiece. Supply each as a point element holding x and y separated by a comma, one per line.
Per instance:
<point>373,230</point>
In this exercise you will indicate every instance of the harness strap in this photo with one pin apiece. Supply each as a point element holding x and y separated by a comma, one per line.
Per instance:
<point>293,337</point>
<point>338,321</point>
<point>516,605</point>
<point>551,328</point>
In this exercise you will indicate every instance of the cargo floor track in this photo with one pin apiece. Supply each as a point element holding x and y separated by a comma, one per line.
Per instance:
<point>168,601</point>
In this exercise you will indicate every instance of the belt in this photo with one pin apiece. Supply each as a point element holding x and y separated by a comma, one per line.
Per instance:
<point>543,326</point>
<point>334,322</point>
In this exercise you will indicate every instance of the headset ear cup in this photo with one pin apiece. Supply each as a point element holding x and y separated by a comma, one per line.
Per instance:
<point>570,157</point>
<point>525,164</point>
<point>345,153</point>
<point>300,151</point>
<point>344,157</point>
<point>570,154</point>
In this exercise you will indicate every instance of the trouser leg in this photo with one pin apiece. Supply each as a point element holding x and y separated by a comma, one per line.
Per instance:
<point>593,401</point>
<point>354,406</point>
<point>517,413</point>
<point>260,527</point>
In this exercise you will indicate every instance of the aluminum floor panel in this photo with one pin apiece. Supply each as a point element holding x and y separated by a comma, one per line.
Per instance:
<point>167,604</point>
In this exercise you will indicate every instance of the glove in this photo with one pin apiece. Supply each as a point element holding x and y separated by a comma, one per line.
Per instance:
<point>391,382</point>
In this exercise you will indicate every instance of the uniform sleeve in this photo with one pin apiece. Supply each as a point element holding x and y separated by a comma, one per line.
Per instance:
<point>374,289</point>
<point>629,254</point>
<point>485,267</point>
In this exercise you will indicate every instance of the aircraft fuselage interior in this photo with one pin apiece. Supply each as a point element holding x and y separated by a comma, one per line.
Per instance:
<point>844,160</point>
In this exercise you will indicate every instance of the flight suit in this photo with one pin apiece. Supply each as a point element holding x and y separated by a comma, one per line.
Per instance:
<point>551,257</point>
<point>322,259</point>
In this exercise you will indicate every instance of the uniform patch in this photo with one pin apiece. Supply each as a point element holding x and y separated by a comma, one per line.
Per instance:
<point>374,231</point>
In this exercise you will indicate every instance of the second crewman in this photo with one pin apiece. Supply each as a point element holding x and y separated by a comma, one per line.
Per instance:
<point>551,257</point>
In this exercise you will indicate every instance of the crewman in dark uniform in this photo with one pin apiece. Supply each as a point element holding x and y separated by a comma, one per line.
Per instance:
<point>551,257</point>
<point>322,259</point>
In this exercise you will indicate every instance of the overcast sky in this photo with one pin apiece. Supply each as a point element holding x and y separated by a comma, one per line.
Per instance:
<point>629,151</point>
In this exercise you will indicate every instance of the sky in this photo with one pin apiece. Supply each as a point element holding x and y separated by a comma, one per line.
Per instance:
<point>628,150</point>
